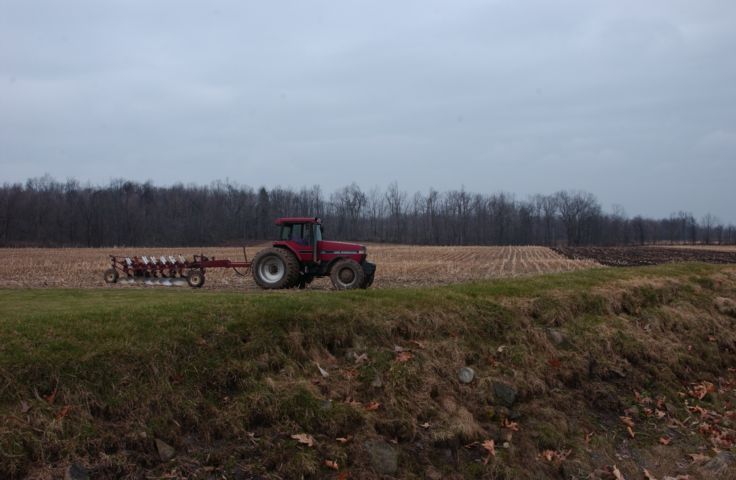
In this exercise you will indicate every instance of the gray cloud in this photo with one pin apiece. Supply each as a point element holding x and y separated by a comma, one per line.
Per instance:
<point>632,101</point>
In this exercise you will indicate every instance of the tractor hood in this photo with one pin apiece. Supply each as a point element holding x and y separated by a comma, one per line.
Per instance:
<point>328,247</point>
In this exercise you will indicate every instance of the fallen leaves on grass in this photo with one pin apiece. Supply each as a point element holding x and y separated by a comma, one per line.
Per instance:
<point>629,425</point>
<point>304,438</point>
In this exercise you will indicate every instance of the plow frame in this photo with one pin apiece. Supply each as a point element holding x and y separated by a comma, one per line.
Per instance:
<point>166,270</point>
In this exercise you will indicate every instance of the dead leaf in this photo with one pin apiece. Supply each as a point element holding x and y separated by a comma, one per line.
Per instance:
<point>648,475</point>
<point>588,436</point>
<point>548,455</point>
<point>304,438</point>
<point>343,439</point>
<point>322,371</point>
<point>372,406</point>
<point>404,356</point>
<point>627,421</point>
<point>63,412</point>
<point>631,432</point>
<point>363,357</point>
<point>698,457</point>
<point>665,440</point>
<point>50,398</point>
<point>501,349</point>
<point>332,464</point>
<point>343,475</point>
<point>513,426</point>
<point>617,473</point>
<point>425,425</point>
<point>398,349</point>
<point>25,407</point>
<point>554,362</point>
<point>417,343</point>
<point>490,447</point>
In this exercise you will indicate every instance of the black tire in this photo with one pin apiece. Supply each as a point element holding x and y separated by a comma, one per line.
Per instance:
<point>195,278</point>
<point>347,275</point>
<point>275,268</point>
<point>368,280</point>
<point>111,275</point>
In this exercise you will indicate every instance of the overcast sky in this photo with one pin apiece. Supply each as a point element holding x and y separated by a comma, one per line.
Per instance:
<point>634,101</point>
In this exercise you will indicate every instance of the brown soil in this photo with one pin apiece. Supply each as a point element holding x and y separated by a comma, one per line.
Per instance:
<point>636,256</point>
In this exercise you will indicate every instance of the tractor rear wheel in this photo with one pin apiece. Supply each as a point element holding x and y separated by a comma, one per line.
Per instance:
<point>195,278</point>
<point>111,275</point>
<point>275,268</point>
<point>347,275</point>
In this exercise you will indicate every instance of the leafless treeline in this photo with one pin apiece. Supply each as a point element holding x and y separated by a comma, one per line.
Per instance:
<point>44,212</point>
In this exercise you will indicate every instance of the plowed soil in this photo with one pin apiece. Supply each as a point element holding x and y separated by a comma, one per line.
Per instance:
<point>635,256</point>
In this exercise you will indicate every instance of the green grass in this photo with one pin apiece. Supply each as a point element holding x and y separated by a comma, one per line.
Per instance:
<point>177,364</point>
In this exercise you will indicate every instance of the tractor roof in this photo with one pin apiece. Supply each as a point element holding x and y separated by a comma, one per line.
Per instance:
<point>293,220</point>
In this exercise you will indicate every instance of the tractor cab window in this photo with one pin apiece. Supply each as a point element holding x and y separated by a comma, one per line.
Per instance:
<point>304,234</point>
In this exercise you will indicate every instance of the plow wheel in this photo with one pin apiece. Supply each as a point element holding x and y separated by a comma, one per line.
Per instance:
<point>111,275</point>
<point>195,279</point>
<point>275,268</point>
<point>347,275</point>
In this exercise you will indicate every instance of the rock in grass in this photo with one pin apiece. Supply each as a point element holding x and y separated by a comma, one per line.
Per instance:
<point>466,375</point>
<point>384,457</point>
<point>165,451</point>
<point>76,472</point>
<point>504,393</point>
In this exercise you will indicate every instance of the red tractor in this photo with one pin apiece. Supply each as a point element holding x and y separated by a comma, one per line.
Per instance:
<point>298,257</point>
<point>301,254</point>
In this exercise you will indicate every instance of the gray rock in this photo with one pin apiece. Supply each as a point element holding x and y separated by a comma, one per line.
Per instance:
<point>165,451</point>
<point>720,463</point>
<point>504,393</point>
<point>556,336</point>
<point>384,457</point>
<point>76,472</point>
<point>466,375</point>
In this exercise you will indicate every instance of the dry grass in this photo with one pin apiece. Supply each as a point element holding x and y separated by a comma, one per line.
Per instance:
<point>398,265</point>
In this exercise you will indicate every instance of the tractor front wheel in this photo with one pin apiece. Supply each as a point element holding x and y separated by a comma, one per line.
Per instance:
<point>275,268</point>
<point>347,275</point>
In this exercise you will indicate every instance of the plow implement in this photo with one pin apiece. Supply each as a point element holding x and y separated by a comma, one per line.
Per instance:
<point>169,270</point>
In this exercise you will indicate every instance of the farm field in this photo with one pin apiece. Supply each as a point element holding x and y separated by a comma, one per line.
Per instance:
<point>398,265</point>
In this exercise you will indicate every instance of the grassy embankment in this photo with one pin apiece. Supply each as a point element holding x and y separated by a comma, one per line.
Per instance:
<point>97,376</point>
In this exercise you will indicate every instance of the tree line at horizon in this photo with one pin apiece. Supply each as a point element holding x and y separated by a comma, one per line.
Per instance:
<point>46,213</point>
